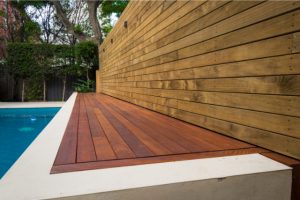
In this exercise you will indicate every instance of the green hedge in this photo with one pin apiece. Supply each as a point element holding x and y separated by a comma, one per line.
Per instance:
<point>27,62</point>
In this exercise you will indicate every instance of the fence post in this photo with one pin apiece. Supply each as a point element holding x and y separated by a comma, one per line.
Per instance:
<point>98,82</point>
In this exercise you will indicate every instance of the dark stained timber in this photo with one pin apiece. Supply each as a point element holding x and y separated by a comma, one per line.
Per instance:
<point>105,132</point>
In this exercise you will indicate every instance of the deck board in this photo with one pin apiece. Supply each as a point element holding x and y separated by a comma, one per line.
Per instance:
<point>102,146</point>
<point>68,148</point>
<point>85,146</point>
<point>107,132</point>
<point>154,131</point>
<point>138,147</point>
<point>119,146</point>
<point>155,159</point>
<point>150,142</point>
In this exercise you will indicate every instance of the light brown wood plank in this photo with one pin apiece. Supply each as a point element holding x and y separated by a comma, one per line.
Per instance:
<point>277,104</point>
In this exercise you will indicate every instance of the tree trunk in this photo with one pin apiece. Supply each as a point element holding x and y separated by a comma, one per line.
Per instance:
<point>44,90</point>
<point>87,75</point>
<point>68,25</point>
<point>12,80</point>
<point>92,9</point>
<point>64,89</point>
<point>23,90</point>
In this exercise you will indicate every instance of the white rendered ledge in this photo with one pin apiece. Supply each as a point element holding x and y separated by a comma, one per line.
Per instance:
<point>31,104</point>
<point>29,178</point>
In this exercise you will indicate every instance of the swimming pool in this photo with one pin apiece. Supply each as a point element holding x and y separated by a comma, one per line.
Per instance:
<point>18,128</point>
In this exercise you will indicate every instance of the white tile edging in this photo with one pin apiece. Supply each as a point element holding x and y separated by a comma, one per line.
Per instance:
<point>29,178</point>
<point>31,104</point>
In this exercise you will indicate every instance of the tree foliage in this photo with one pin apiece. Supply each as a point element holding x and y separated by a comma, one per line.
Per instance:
<point>99,13</point>
<point>62,21</point>
<point>26,59</point>
<point>113,7</point>
<point>37,62</point>
<point>87,54</point>
<point>20,60</point>
<point>38,23</point>
<point>23,28</point>
<point>20,64</point>
<point>87,58</point>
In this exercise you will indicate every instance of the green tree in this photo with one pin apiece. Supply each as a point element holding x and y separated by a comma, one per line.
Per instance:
<point>24,29</point>
<point>64,64</point>
<point>86,56</point>
<point>106,25</point>
<point>21,63</point>
<point>113,7</point>
<point>43,54</point>
<point>106,7</point>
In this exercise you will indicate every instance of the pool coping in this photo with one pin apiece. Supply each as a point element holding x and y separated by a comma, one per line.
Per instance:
<point>32,104</point>
<point>30,175</point>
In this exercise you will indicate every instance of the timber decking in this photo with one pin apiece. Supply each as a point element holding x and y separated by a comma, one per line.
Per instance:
<point>106,132</point>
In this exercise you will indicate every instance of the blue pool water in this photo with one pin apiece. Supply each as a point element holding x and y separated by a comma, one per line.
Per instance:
<point>18,128</point>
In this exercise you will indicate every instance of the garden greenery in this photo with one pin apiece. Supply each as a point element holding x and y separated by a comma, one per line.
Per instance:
<point>86,56</point>
<point>84,86</point>
<point>36,62</point>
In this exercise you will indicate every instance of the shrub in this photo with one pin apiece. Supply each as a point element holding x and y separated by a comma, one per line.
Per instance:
<point>28,61</point>
<point>86,56</point>
<point>84,86</point>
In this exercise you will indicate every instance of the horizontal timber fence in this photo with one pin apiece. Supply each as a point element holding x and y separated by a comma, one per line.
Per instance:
<point>231,67</point>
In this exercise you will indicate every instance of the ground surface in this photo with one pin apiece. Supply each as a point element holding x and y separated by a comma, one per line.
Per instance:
<point>106,132</point>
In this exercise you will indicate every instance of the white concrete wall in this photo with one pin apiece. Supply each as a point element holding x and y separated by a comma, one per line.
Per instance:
<point>262,186</point>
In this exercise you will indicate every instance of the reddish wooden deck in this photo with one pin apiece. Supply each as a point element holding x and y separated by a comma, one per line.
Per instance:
<point>106,132</point>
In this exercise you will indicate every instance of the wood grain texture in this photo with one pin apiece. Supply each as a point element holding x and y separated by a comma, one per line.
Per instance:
<point>106,132</point>
<point>68,147</point>
<point>141,161</point>
<point>230,67</point>
<point>103,129</point>
<point>85,146</point>
<point>102,146</point>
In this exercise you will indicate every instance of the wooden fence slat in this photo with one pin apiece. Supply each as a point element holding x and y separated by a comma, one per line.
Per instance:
<point>231,67</point>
